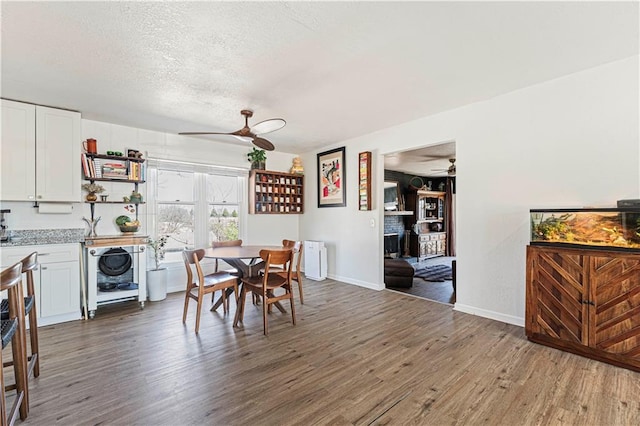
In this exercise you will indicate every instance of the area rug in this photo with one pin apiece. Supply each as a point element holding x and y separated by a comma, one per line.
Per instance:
<point>435,273</point>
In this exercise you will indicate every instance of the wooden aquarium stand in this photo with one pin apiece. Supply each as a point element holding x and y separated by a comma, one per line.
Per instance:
<point>585,301</point>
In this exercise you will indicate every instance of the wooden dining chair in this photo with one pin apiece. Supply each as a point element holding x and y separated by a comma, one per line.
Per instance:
<point>266,284</point>
<point>29,264</point>
<point>232,271</point>
<point>197,289</point>
<point>13,330</point>
<point>296,274</point>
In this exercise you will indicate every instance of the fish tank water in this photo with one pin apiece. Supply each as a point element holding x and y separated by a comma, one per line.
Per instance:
<point>614,228</point>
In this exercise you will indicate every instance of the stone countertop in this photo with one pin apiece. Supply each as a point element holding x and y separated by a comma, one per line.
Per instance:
<point>31,237</point>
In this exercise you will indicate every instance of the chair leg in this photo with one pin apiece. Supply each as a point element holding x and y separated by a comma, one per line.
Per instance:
<point>198,311</point>
<point>186,305</point>
<point>293,308</point>
<point>33,336</point>
<point>299,280</point>
<point>3,401</point>
<point>225,305</point>
<point>240,308</point>
<point>19,365</point>
<point>265,308</point>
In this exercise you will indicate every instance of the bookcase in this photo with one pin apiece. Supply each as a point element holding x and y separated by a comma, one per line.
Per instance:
<point>275,193</point>
<point>428,237</point>
<point>112,168</point>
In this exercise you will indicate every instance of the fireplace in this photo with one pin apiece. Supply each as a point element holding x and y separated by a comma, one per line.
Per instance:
<point>391,245</point>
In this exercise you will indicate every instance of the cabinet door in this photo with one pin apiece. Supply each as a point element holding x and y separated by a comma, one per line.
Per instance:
<point>555,294</point>
<point>58,154</point>
<point>424,249</point>
<point>615,290</point>
<point>59,288</point>
<point>17,165</point>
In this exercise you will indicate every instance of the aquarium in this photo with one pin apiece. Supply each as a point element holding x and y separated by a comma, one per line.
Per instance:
<point>617,228</point>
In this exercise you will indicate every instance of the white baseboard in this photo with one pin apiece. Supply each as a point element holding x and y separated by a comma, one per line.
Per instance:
<point>497,316</point>
<point>365,284</point>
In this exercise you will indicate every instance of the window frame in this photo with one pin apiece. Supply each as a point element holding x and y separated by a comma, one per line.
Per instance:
<point>200,203</point>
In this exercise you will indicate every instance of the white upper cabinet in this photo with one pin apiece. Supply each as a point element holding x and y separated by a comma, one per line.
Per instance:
<point>40,151</point>
<point>18,152</point>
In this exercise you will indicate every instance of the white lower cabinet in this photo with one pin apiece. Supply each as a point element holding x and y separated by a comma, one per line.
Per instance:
<point>56,281</point>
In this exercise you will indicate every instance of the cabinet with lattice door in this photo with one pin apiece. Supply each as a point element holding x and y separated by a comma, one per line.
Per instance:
<point>586,302</point>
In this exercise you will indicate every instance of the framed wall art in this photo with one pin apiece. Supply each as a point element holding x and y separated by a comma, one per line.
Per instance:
<point>332,175</point>
<point>364,181</point>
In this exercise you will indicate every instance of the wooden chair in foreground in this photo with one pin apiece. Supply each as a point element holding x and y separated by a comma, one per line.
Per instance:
<point>205,284</point>
<point>29,264</point>
<point>13,330</point>
<point>265,285</point>
<point>295,274</point>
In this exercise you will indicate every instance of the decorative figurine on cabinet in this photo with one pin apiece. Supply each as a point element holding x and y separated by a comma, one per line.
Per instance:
<point>297,166</point>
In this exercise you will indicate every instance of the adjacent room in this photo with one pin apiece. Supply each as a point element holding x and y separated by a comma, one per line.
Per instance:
<point>285,213</point>
<point>419,222</point>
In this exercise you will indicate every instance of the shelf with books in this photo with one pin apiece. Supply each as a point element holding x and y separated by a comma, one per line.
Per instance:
<point>112,168</point>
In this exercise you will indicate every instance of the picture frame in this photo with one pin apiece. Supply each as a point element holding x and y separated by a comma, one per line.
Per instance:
<point>364,181</point>
<point>332,175</point>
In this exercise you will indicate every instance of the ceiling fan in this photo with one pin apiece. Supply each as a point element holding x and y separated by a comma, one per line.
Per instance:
<point>251,133</point>
<point>451,171</point>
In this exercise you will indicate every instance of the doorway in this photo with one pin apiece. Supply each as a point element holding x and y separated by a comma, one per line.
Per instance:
<point>422,218</point>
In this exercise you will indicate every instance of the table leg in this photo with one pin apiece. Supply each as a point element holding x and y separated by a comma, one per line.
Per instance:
<point>243,269</point>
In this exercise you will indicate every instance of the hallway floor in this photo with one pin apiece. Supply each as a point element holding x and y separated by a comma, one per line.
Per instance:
<point>437,291</point>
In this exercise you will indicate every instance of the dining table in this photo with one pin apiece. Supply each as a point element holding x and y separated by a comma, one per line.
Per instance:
<point>245,259</point>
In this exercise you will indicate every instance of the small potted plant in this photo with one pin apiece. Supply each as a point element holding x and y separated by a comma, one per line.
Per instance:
<point>157,277</point>
<point>257,158</point>
<point>92,189</point>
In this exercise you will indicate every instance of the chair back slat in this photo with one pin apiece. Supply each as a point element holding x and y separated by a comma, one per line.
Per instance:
<point>282,258</point>
<point>231,243</point>
<point>11,276</point>
<point>29,264</point>
<point>193,257</point>
<point>296,246</point>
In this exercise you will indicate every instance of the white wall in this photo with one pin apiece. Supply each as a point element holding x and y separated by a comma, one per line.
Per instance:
<point>267,229</point>
<point>569,142</point>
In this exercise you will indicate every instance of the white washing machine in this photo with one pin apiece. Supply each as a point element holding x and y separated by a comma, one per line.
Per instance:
<point>115,273</point>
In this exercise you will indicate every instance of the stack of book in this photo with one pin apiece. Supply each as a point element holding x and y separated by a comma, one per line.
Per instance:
<point>136,171</point>
<point>91,167</point>
<point>113,170</point>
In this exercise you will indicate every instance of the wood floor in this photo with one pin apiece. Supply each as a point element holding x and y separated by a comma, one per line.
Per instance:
<point>437,291</point>
<point>356,356</point>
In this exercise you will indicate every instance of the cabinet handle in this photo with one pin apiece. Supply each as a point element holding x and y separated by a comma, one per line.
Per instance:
<point>39,197</point>
<point>43,254</point>
<point>43,267</point>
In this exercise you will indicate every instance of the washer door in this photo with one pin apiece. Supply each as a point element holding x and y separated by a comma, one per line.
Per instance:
<point>115,261</point>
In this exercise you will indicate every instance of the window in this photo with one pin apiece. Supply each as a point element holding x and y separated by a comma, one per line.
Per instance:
<point>195,204</point>
<point>222,196</point>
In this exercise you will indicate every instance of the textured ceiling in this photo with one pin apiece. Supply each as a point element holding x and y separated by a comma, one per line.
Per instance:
<point>333,70</point>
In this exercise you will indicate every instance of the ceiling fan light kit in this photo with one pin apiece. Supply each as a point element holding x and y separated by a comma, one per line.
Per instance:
<point>251,133</point>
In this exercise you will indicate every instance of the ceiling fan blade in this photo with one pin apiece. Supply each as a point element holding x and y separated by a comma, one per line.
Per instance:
<point>263,143</point>
<point>243,138</point>
<point>268,126</point>
<point>204,133</point>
